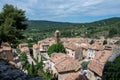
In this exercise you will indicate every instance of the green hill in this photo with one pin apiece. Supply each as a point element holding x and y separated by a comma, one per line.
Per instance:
<point>42,23</point>
<point>39,29</point>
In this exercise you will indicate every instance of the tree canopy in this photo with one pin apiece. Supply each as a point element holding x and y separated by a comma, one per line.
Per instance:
<point>111,70</point>
<point>58,47</point>
<point>11,23</point>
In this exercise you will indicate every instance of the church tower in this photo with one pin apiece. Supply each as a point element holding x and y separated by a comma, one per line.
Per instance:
<point>57,36</point>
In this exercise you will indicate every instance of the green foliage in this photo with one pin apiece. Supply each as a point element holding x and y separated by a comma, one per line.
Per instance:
<point>32,70</point>
<point>36,31</point>
<point>11,23</point>
<point>58,47</point>
<point>45,75</point>
<point>104,42</point>
<point>112,32</point>
<point>35,70</point>
<point>84,65</point>
<point>111,70</point>
<point>24,61</point>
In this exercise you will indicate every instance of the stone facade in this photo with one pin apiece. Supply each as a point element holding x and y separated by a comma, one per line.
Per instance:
<point>24,48</point>
<point>6,52</point>
<point>36,52</point>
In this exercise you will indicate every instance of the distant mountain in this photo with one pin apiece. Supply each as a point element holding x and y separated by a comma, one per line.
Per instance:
<point>104,22</point>
<point>42,23</point>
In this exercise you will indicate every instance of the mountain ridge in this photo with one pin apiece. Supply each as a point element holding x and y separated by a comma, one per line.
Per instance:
<point>45,23</point>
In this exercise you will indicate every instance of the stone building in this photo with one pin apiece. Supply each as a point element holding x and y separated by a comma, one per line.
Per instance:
<point>57,36</point>
<point>6,52</point>
<point>96,66</point>
<point>36,52</point>
<point>45,43</point>
<point>73,51</point>
<point>24,48</point>
<point>67,67</point>
<point>62,65</point>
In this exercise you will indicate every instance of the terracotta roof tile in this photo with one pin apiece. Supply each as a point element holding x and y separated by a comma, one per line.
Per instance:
<point>96,67</point>
<point>76,40</point>
<point>57,57</point>
<point>71,46</point>
<point>68,64</point>
<point>35,46</point>
<point>84,45</point>
<point>97,64</point>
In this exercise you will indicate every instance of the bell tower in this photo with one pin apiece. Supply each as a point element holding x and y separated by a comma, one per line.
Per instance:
<point>57,36</point>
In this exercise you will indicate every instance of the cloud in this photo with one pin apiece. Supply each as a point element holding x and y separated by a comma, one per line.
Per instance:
<point>61,10</point>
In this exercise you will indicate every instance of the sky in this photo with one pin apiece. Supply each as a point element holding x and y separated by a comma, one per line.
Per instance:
<point>67,10</point>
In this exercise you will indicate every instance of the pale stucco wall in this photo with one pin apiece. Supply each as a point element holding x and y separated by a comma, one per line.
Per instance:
<point>70,52</point>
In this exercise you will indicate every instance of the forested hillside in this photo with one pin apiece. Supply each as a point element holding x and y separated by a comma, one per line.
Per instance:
<point>41,23</point>
<point>38,29</point>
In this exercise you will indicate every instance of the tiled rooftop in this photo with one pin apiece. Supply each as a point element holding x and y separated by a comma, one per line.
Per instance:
<point>70,46</point>
<point>68,64</point>
<point>96,67</point>
<point>97,64</point>
<point>57,57</point>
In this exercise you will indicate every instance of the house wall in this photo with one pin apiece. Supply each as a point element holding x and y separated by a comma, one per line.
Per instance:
<point>70,52</point>
<point>85,53</point>
<point>90,53</point>
<point>43,47</point>
<point>36,54</point>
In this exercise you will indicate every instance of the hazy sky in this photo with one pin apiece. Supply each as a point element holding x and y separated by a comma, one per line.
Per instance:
<point>67,10</point>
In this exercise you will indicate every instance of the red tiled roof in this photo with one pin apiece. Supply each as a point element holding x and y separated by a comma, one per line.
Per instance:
<point>77,40</point>
<point>71,46</point>
<point>35,46</point>
<point>85,46</point>
<point>96,47</point>
<point>68,64</point>
<point>57,57</point>
<point>96,67</point>
<point>97,64</point>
